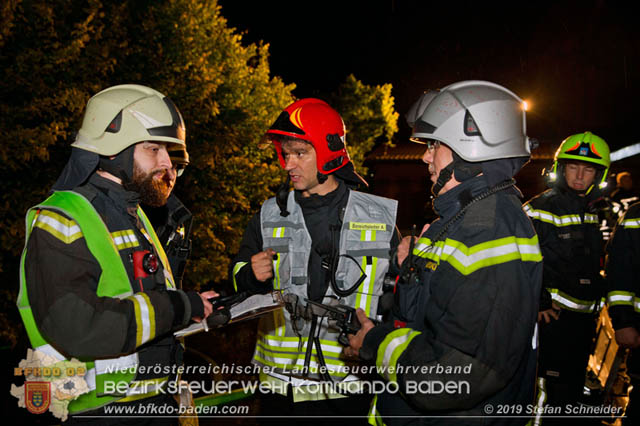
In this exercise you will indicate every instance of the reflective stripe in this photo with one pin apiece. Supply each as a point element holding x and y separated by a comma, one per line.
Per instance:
<point>279,322</point>
<point>540,401</point>
<point>296,362</point>
<point>590,218</point>
<point>145,318</point>
<point>374,418</point>
<point>364,293</point>
<point>545,216</point>
<point>281,381</point>
<point>469,259</point>
<point>236,269</point>
<point>291,344</point>
<point>66,230</point>
<point>125,239</point>
<point>617,298</point>
<point>368,235</point>
<point>151,236</point>
<point>276,272</point>
<point>289,353</point>
<point>284,223</point>
<point>278,232</point>
<point>534,339</point>
<point>630,223</point>
<point>390,350</point>
<point>572,303</point>
<point>51,351</point>
<point>126,362</point>
<point>102,366</point>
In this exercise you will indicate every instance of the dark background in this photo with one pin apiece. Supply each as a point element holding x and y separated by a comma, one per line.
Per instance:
<point>576,62</point>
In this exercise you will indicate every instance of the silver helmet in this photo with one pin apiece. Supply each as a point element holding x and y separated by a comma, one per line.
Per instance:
<point>478,120</point>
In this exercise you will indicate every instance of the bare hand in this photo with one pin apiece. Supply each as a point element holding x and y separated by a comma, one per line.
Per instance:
<point>628,337</point>
<point>208,308</point>
<point>403,247</point>
<point>549,314</point>
<point>355,341</point>
<point>262,264</point>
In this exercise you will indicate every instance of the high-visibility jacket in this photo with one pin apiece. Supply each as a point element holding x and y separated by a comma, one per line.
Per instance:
<point>368,225</point>
<point>571,244</point>
<point>70,216</point>
<point>463,337</point>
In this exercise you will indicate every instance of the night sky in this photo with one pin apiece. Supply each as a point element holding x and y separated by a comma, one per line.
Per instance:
<point>577,63</point>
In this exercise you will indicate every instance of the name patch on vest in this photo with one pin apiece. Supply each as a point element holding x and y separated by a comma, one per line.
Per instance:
<point>362,226</point>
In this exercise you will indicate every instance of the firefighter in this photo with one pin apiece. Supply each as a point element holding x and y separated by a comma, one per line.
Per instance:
<point>324,242</point>
<point>571,243</point>
<point>462,340</point>
<point>95,280</point>
<point>623,270</point>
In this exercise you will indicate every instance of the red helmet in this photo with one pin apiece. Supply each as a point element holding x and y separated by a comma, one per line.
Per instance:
<point>314,121</point>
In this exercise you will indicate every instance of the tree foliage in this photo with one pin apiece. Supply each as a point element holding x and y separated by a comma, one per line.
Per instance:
<point>55,54</point>
<point>368,114</point>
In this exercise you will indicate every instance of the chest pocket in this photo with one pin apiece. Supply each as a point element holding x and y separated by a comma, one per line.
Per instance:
<point>292,244</point>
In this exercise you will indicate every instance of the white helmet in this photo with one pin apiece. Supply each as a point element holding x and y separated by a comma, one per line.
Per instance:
<point>122,116</point>
<point>478,120</point>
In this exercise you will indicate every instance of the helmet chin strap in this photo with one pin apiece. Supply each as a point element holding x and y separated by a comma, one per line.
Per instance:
<point>460,169</point>
<point>322,178</point>
<point>443,177</point>
<point>121,166</point>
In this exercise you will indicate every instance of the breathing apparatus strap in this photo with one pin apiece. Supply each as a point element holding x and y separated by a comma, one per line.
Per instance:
<point>282,196</point>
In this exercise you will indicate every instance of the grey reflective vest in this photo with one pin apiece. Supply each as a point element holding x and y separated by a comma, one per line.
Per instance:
<point>368,226</point>
<point>114,282</point>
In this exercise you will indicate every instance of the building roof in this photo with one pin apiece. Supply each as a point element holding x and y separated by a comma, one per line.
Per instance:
<point>407,151</point>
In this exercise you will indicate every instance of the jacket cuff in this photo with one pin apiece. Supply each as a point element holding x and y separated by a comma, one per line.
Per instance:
<point>373,340</point>
<point>196,304</point>
<point>545,300</point>
<point>181,307</point>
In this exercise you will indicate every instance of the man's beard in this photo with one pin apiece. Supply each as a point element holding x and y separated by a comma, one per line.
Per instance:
<point>153,192</point>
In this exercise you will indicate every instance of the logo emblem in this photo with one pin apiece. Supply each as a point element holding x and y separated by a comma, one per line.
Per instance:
<point>37,396</point>
<point>583,149</point>
<point>295,118</point>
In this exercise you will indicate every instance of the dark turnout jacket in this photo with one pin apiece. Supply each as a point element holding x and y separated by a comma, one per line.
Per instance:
<point>464,331</point>
<point>623,270</point>
<point>571,244</point>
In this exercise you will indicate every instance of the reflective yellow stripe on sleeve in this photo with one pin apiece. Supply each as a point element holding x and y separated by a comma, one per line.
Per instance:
<point>125,239</point>
<point>572,303</point>
<point>548,217</point>
<point>236,269</point>
<point>469,259</point>
<point>66,230</point>
<point>620,298</point>
<point>390,350</point>
<point>145,318</point>
<point>630,223</point>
